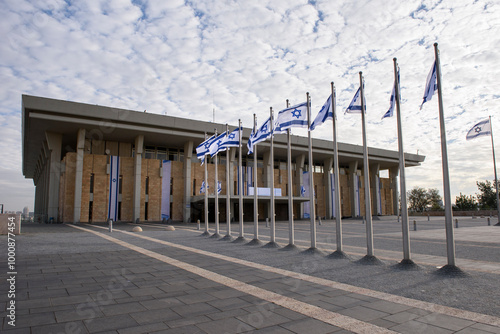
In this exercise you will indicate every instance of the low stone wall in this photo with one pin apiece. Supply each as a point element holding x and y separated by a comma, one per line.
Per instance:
<point>483,213</point>
<point>4,223</point>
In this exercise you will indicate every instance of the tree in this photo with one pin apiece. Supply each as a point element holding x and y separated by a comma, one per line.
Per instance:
<point>487,198</point>
<point>417,199</point>
<point>465,203</point>
<point>434,199</point>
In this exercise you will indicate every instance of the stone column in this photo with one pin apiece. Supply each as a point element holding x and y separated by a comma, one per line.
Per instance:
<point>353,168</point>
<point>268,167</point>
<point>299,170</point>
<point>374,180</point>
<point>80,145</point>
<point>139,146</point>
<point>327,167</point>
<point>54,143</point>
<point>233,177</point>
<point>188,153</point>
<point>393,177</point>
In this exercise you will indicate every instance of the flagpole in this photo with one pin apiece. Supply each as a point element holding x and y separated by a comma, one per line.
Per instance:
<point>291,237</point>
<point>241,237</point>
<point>272,243</point>
<point>450,239</point>
<point>312,209</point>
<point>228,195</point>
<point>366,174</point>
<point>495,168</point>
<point>206,193</point>
<point>402,176</point>
<point>255,240</point>
<point>339,253</point>
<point>216,234</point>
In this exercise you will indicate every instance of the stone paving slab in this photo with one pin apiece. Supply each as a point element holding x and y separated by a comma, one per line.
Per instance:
<point>124,291</point>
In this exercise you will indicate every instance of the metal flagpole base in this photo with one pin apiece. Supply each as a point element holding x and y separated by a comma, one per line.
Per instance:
<point>406,264</point>
<point>312,251</point>
<point>205,234</point>
<point>271,244</point>
<point>452,271</point>
<point>215,236</point>
<point>254,242</point>
<point>227,237</point>
<point>338,255</point>
<point>239,240</point>
<point>370,260</point>
<point>290,247</point>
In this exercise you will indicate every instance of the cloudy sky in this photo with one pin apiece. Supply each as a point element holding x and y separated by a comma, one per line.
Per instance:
<point>184,58</point>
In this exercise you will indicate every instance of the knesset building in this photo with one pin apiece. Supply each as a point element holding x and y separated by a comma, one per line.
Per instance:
<point>76,153</point>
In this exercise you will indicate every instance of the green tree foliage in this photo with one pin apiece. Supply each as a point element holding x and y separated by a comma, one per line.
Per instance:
<point>417,199</point>
<point>434,199</point>
<point>487,197</point>
<point>465,203</point>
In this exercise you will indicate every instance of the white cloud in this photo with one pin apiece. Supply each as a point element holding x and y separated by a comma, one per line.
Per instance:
<point>179,57</point>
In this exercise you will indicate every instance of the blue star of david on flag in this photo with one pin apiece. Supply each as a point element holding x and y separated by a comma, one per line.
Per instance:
<point>482,128</point>
<point>355,105</point>
<point>295,116</point>
<point>232,140</point>
<point>203,148</point>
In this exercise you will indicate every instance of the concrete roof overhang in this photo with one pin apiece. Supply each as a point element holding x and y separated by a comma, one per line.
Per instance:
<point>41,115</point>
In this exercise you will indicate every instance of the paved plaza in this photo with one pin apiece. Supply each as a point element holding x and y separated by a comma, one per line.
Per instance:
<point>85,279</point>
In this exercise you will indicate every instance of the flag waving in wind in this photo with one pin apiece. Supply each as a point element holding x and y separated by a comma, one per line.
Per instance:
<point>232,140</point>
<point>295,116</point>
<point>203,149</point>
<point>390,112</point>
<point>324,114</point>
<point>355,106</point>
<point>262,134</point>
<point>431,85</point>
<point>482,128</point>
<point>216,145</point>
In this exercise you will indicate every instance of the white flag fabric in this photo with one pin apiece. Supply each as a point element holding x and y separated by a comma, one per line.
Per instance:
<point>219,187</point>
<point>262,133</point>
<point>202,188</point>
<point>249,143</point>
<point>216,145</point>
<point>355,106</point>
<point>482,128</point>
<point>232,140</point>
<point>203,148</point>
<point>295,116</point>
<point>431,85</point>
<point>390,112</point>
<point>324,114</point>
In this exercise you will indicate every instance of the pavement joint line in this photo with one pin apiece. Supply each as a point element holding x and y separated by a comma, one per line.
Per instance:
<point>431,307</point>
<point>390,255</point>
<point>312,311</point>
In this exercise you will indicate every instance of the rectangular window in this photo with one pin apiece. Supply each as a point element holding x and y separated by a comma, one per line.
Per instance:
<point>92,183</point>
<point>147,185</point>
<point>161,153</point>
<point>120,184</point>
<point>150,152</point>
<point>286,191</point>
<point>90,210</point>
<point>119,210</point>
<point>194,187</point>
<point>315,191</point>
<point>171,210</point>
<point>146,211</point>
<point>171,186</point>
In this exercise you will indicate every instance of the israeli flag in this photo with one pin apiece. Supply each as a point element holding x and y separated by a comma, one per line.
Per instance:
<point>219,187</point>
<point>302,191</point>
<point>216,145</point>
<point>390,112</point>
<point>204,187</point>
<point>249,143</point>
<point>482,128</point>
<point>262,133</point>
<point>232,140</point>
<point>431,85</point>
<point>324,114</point>
<point>295,116</point>
<point>355,106</point>
<point>203,148</point>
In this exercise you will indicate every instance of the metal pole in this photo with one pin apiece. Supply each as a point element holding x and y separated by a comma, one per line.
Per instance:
<point>291,236</point>
<point>271,161</point>
<point>216,234</point>
<point>311,179</point>
<point>402,177</point>
<point>255,193</point>
<point>366,172</point>
<point>240,183</point>
<point>336,176</point>
<point>206,192</point>
<point>450,239</point>
<point>495,168</point>
<point>228,195</point>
